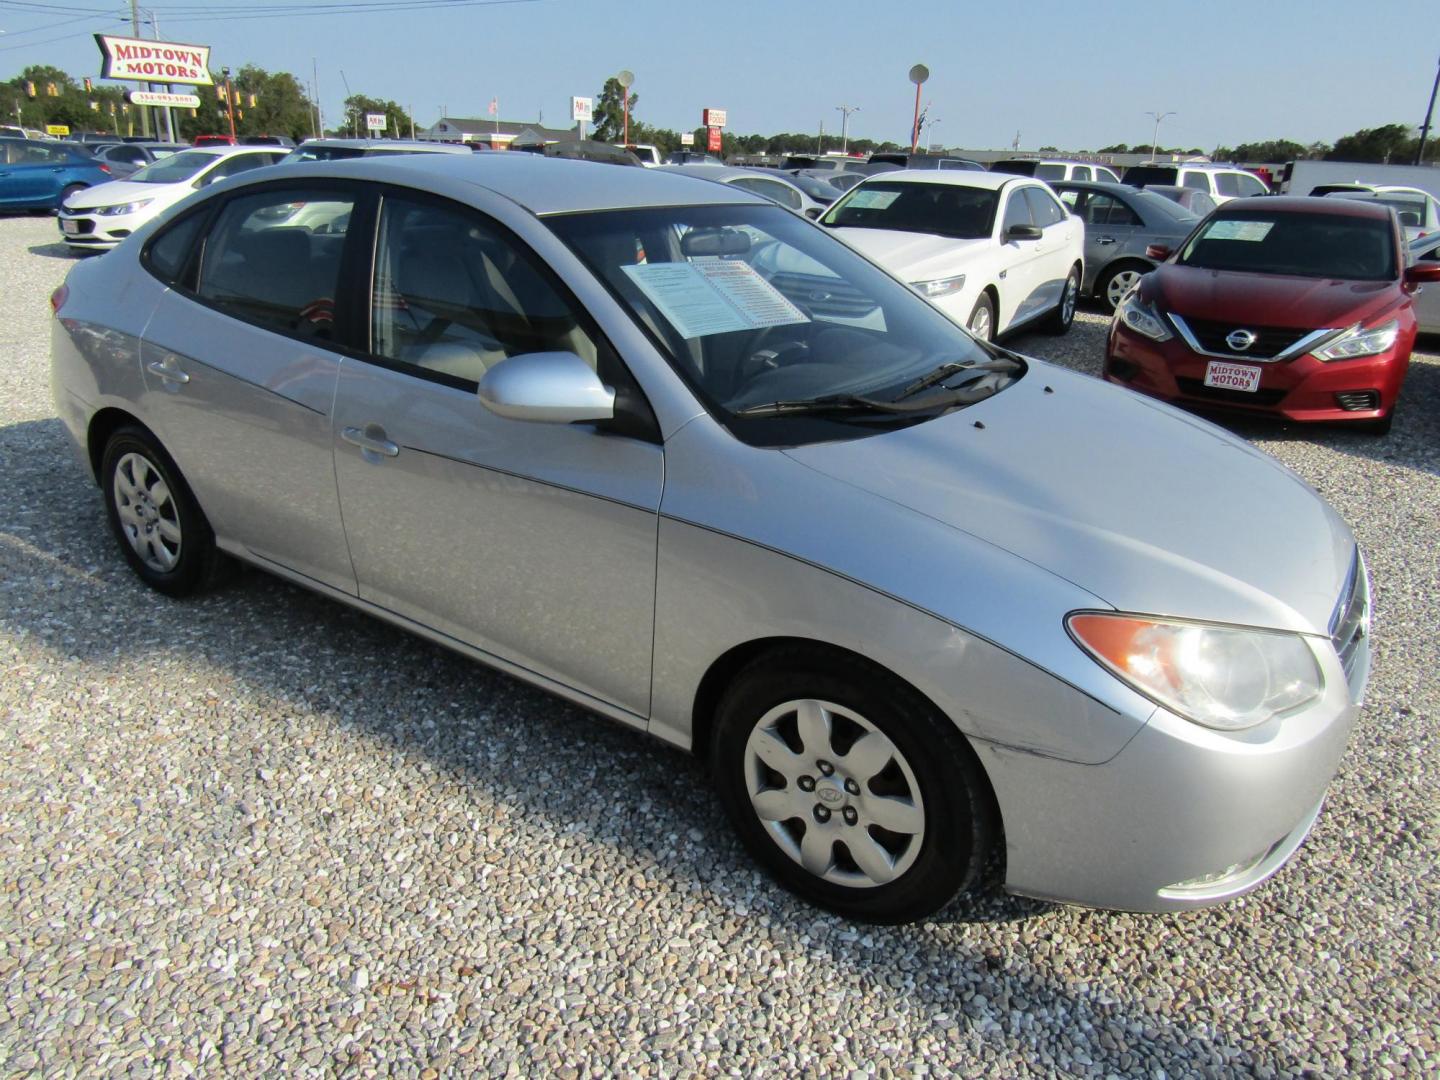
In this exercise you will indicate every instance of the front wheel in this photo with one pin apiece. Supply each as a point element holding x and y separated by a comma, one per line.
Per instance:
<point>850,788</point>
<point>1116,282</point>
<point>982,319</point>
<point>1064,313</point>
<point>66,193</point>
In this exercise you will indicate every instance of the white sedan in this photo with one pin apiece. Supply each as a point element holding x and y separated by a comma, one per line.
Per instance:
<point>100,217</point>
<point>993,252</point>
<point>1427,300</point>
<point>1418,210</point>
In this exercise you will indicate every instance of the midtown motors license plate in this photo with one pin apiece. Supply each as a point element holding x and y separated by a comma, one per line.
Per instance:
<point>1225,376</point>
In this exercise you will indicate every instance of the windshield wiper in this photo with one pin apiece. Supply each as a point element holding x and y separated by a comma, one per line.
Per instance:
<point>954,367</point>
<point>841,403</point>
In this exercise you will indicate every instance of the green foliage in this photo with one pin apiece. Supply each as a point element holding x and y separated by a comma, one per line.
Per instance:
<point>609,115</point>
<point>1117,148</point>
<point>1390,143</point>
<point>397,120</point>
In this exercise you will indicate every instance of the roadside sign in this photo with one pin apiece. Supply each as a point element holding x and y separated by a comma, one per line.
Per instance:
<point>375,121</point>
<point>582,108</point>
<point>154,61</point>
<point>713,117</point>
<point>174,101</point>
<point>687,138</point>
<point>57,129</point>
<point>713,144</point>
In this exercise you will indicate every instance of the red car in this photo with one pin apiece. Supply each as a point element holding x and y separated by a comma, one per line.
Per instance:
<point>1295,307</point>
<point>215,140</point>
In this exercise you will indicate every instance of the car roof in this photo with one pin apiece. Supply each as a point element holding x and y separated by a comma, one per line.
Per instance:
<point>389,144</point>
<point>542,185</point>
<point>956,177</point>
<point>1305,204</point>
<point>1094,185</point>
<point>726,173</point>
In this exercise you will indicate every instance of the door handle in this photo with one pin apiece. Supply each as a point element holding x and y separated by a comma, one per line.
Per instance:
<point>371,439</point>
<point>1104,240</point>
<point>169,374</point>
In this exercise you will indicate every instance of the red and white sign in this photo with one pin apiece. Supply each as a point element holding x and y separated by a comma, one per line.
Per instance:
<point>1225,376</point>
<point>174,101</point>
<point>582,108</point>
<point>712,117</point>
<point>154,61</point>
<point>713,143</point>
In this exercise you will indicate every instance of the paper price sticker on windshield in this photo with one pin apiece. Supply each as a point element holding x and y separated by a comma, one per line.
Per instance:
<point>871,200</point>
<point>1239,229</point>
<point>700,299</point>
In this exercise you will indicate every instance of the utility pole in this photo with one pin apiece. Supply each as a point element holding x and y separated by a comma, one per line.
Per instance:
<point>349,119</point>
<point>315,85</point>
<point>1155,139</point>
<point>820,142</point>
<point>135,30</point>
<point>1429,112</point>
<point>845,111</point>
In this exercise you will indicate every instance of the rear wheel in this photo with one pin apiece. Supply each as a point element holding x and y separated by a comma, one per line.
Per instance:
<point>982,318</point>
<point>850,788</point>
<point>156,521</point>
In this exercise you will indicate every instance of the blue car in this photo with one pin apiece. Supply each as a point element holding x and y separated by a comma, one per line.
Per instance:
<point>37,175</point>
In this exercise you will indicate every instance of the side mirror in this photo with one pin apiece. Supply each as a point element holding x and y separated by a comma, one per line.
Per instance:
<point>1425,273</point>
<point>813,213</point>
<point>1158,252</point>
<point>548,388</point>
<point>1024,232</point>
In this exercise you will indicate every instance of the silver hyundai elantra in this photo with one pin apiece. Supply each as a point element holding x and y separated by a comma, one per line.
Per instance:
<point>684,458</point>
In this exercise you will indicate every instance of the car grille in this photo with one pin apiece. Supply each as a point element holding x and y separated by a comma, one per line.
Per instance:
<point>1358,400</point>
<point>1350,624</point>
<point>823,295</point>
<point>1261,398</point>
<point>1270,341</point>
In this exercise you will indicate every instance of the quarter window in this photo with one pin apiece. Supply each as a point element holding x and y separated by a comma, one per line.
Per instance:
<point>273,258</point>
<point>1106,176</point>
<point>169,253</point>
<point>1082,172</point>
<point>453,295</point>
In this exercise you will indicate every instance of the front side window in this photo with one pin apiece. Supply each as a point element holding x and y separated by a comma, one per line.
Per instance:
<point>1044,210</point>
<point>273,258</point>
<point>964,213</point>
<point>453,295</point>
<point>1301,245</point>
<point>755,307</point>
<point>1017,212</point>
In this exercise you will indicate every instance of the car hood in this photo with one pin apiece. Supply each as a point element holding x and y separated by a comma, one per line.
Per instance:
<point>1148,508</point>
<point>122,191</point>
<point>1267,299</point>
<point>913,256</point>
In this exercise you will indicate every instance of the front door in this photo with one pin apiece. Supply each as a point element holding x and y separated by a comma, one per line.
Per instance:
<point>533,542</point>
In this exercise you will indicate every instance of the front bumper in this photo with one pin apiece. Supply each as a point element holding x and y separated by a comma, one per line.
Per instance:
<point>1183,816</point>
<point>86,229</point>
<point>1301,389</point>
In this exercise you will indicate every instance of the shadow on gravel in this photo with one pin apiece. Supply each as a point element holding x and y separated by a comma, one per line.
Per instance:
<point>65,585</point>
<point>60,250</point>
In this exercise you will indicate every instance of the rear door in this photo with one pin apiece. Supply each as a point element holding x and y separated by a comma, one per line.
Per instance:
<point>33,173</point>
<point>240,362</point>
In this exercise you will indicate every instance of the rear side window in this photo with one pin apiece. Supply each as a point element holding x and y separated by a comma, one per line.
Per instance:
<point>1251,185</point>
<point>168,254</point>
<point>1228,184</point>
<point>1144,175</point>
<point>1197,181</point>
<point>1082,172</point>
<point>784,195</point>
<point>1049,172</point>
<point>273,258</point>
<point>1105,176</point>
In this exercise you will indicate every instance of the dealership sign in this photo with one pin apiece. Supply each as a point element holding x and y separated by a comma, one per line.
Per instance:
<point>712,117</point>
<point>376,121</point>
<point>154,61</point>
<point>582,108</point>
<point>173,101</point>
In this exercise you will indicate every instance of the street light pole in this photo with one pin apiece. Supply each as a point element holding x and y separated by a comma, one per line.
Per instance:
<point>1429,112</point>
<point>229,101</point>
<point>845,111</point>
<point>1155,139</point>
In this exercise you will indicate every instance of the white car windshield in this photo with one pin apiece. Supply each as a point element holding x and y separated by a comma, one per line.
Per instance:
<point>763,314</point>
<point>964,213</point>
<point>174,169</point>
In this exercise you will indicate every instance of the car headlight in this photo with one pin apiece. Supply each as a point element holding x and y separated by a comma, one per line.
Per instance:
<point>123,208</point>
<point>1219,676</point>
<point>1141,317</point>
<point>939,287</point>
<point>1357,342</point>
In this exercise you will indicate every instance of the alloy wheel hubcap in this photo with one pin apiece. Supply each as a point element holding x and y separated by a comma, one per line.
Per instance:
<point>834,793</point>
<point>148,515</point>
<point>1068,303</point>
<point>980,324</point>
<point>1120,285</point>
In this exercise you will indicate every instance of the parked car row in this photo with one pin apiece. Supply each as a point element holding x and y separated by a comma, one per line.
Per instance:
<point>916,600</point>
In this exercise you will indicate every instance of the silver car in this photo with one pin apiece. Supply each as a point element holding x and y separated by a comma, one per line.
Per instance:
<point>671,452</point>
<point>1120,223</point>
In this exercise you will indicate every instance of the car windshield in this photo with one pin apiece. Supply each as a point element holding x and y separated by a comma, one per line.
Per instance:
<point>755,306</point>
<point>964,213</point>
<point>1140,175</point>
<point>174,169</point>
<point>322,153</point>
<point>1015,168</point>
<point>1300,245</point>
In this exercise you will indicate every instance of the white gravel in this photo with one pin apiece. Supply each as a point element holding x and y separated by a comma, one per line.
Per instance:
<point>258,833</point>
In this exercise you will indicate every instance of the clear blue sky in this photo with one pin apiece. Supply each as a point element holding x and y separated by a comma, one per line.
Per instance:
<point>1074,75</point>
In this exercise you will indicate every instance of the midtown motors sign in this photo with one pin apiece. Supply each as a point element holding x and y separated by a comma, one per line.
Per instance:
<point>154,61</point>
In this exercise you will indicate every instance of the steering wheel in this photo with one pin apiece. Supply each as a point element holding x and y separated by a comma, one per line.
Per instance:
<point>760,358</point>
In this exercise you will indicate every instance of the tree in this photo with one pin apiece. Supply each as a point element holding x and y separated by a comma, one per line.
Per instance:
<point>1118,148</point>
<point>1381,144</point>
<point>609,115</point>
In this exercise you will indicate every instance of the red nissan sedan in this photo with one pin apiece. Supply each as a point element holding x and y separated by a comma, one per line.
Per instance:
<point>1295,307</point>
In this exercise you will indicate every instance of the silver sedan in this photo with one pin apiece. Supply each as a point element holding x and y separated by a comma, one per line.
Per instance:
<point>672,452</point>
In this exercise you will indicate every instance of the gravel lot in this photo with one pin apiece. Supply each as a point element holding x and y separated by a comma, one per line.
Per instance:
<point>257,832</point>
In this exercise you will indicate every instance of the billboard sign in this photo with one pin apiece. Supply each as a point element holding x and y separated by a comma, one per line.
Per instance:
<point>687,138</point>
<point>375,121</point>
<point>582,108</point>
<point>154,61</point>
<point>173,101</point>
<point>712,117</point>
<point>713,144</point>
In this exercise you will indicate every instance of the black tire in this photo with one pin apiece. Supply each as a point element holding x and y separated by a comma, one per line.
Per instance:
<point>1107,279</point>
<point>986,305</point>
<point>959,819</point>
<point>1059,319</point>
<point>168,507</point>
<point>66,193</point>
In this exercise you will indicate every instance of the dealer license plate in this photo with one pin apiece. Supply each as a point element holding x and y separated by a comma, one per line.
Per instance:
<point>1225,376</point>
<point>69,228</point>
